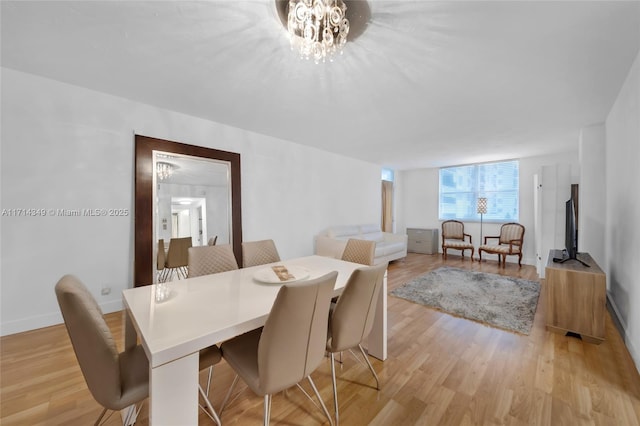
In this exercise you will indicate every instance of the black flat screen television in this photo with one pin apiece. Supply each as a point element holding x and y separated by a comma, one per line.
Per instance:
<point>571,230</point>
<point>570,234</point>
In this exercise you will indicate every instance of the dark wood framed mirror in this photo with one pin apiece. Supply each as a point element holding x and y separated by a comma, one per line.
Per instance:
<point>148,152</point>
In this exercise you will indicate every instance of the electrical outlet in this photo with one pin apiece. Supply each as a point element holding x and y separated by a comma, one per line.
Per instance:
<point>105,291</point>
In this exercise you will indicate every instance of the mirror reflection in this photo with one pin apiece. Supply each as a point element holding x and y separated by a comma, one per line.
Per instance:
<point>159,161</point>
<point>192,207</point>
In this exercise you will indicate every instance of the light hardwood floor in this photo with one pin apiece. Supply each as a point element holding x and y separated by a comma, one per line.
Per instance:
<point>440,370</point>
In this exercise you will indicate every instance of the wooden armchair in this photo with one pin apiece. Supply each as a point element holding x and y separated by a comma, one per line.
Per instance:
<point>453,237</point>
<point>509,243</point>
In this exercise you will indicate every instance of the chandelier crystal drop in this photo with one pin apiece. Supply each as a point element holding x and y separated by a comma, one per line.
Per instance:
<point>164,170</point>
<point>317,28</point>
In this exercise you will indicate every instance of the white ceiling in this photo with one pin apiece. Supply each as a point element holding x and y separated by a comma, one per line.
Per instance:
<point>426,84</point>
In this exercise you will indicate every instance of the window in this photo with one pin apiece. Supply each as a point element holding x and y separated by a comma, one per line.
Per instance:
<point>460,188</point>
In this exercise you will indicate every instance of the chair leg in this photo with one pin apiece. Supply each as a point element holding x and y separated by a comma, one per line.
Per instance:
<point>212,412</point>
<point>335,388</point>
<point>267,409</point>
<point>324,407</point>
<point>100,417</point>
<point>366,358</point>
<point>209,380</point>
<point>226,398</point>
<point>132,415</point>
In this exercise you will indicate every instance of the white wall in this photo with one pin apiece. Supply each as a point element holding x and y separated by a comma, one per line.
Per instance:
<point>418,203</point>
<point>66,147</point>
<point>592,192</point>
<point>623,208</point>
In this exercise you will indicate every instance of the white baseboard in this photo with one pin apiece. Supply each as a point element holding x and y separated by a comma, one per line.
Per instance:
<point>47,320</point>
<point>635,355</point>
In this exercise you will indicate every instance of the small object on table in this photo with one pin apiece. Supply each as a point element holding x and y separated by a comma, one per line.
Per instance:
<point>282,272</point>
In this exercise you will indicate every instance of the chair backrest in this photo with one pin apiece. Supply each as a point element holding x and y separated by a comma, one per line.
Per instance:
<point>205,260</point>
<point>293,341</point>
<point>259,252</point>
<point>452,230</point>
<point>91,339</point>
<point>353,316</point>
<point>178,254</point>
<point>511,231</point>
<point>161,258</point>
<point>359,251</point>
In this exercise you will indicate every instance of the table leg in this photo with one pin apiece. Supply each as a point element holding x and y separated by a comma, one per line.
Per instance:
<point>377,342</point>
<point>173,392</point>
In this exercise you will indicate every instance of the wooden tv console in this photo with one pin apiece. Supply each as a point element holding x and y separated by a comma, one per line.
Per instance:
<point>576,297</point>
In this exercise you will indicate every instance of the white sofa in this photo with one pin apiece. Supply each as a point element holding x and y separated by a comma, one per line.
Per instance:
<point>331,242</point>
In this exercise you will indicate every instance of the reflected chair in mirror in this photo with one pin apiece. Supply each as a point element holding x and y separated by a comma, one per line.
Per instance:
<point>212,241</point>
<point>453,237</point>
<point>205,260</point>
<point>509,243</point>
<point>178,257</point>
<point>359,251</point>
<point>116,380</point>
<point>289,347</point>
<point>259,253</point>
<point>161,259</point>
<point>351,320</point>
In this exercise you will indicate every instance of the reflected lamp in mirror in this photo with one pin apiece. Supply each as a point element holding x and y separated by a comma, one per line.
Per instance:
<point>164,170</point>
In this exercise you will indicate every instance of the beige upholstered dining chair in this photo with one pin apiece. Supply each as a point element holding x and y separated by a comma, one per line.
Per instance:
<point>453,237</point>
<point>205,260</point>
<point>352,318</point>
<point>509,243</point>
<point>161,259</point>
<point>259,253</point>
<point>291,345</point>
<point>116,380</point>
<point>208,358</point>
<point>178,257</point>
<point>359,251</point>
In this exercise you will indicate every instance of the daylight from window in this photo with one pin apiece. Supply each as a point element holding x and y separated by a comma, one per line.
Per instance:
<point>460,188</point>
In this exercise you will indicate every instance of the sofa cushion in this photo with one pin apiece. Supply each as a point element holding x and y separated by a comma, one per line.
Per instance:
<point>373,236</point>
<point>391,247</point>
<point>343,232</point>
<point>370,228</point>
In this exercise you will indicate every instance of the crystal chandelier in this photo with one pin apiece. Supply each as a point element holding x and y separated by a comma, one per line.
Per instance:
<point>317,28</point>
<point>164,170</point>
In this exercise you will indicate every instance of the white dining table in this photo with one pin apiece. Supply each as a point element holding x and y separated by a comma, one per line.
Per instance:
<point>195,313</point>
